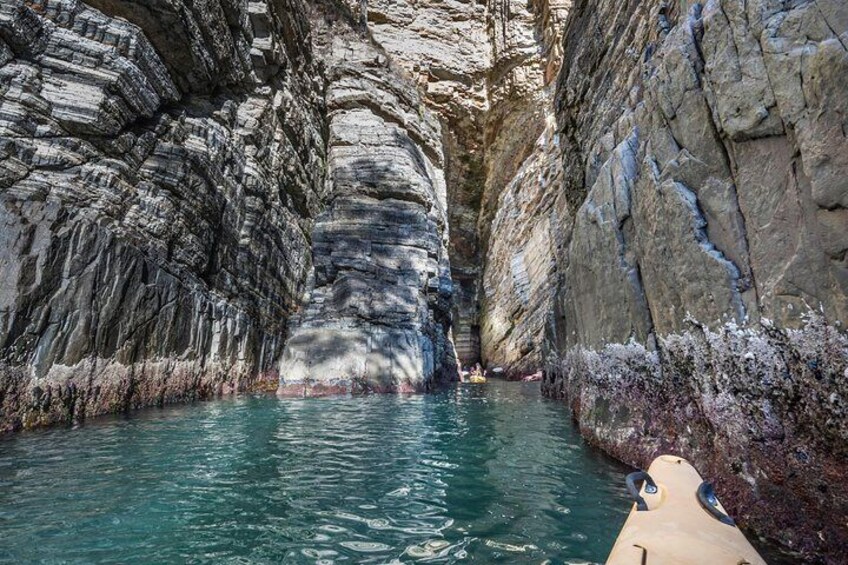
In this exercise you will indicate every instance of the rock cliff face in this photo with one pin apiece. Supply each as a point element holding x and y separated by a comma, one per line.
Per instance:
<point>520,276</point>
<point>702,282</point>
<point>518,221</point>
<point>378,312</point>
<point>161,166</point>
<point>482,67</point>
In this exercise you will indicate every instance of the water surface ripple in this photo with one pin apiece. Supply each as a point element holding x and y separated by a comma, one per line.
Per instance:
<point>491,474</point>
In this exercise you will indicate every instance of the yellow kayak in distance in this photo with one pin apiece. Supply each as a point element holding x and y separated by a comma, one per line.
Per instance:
<point>477,380</point>
<point>677,520</point>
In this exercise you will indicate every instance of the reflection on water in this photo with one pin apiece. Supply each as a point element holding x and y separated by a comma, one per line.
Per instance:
<point>489,473</point>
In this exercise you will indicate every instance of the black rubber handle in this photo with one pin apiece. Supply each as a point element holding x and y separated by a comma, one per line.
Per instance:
<point>707,498</point>
<point>641,505</point>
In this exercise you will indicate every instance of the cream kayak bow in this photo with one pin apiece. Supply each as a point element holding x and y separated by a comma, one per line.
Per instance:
<point>677,520</point>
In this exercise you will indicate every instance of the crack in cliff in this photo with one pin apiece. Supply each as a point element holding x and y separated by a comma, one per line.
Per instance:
<point>836,35</point>
<point>696,29</point>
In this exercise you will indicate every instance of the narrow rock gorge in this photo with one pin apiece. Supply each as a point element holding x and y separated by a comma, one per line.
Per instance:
<point>646,200</point>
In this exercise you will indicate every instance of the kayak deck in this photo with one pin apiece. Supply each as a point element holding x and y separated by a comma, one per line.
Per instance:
<point>676,525</point>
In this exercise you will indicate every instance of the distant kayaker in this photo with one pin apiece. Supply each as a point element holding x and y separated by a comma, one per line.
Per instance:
<point>477,375</point>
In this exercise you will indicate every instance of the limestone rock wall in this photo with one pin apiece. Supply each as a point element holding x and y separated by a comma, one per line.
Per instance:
<point>378,312</point>
<point>161,166</point>
<point>482,68</point>
<point>521,160</point>
<point>526,40</point>
<point>520,275</point>
<point>703,284</point>
<point>523,213</point>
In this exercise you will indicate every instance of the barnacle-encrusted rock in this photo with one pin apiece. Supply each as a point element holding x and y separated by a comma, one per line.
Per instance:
<point>704,151</point>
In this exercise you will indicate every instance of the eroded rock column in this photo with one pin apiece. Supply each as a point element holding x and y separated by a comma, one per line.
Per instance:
<point>446,49</point>
<point>378,313</point>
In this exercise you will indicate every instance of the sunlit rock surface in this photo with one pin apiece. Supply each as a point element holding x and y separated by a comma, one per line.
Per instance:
<point>520,276</point>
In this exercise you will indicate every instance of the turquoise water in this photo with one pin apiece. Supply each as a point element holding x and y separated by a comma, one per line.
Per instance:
<point>489,474</point>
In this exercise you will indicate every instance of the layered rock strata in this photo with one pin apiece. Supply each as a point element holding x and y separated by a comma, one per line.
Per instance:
<point>445,48</point>
<point>482,67</point>
<point>521,208</point>
<point>703,283</point>
<point>196,196</point>
<point>520,274</point>
<point>161,166</point>
<point>378,311</point>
